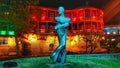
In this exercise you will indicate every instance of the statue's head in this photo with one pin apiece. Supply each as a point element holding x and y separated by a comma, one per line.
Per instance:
<point>61,10</point>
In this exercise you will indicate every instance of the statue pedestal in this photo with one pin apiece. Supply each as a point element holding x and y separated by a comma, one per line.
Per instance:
<point>58,65</point>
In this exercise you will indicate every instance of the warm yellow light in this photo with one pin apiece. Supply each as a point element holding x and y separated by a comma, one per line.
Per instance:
<point>76,38</point>
<point>32,37</point>
<point>73,42</point>
<point>11,41</point>
<point>52,39</point>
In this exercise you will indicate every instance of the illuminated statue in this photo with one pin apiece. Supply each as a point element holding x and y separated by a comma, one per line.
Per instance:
<point>59,55</point>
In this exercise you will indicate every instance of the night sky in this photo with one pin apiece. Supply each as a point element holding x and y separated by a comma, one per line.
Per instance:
<point>68,4</point>
<point>71,4</point>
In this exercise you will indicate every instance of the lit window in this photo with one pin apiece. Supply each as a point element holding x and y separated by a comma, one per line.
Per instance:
<point>81,17</point>
<point>2,32</point>
<point>11,33</point>
<point>11,41</point>
<point>3,42</point>
<point>32,37</point>
<point>6,13</point>
<point>114,32</point>
<point>74,19</point>
<point>108,32</point>
<point>113,39</point>
<point>93,17</point>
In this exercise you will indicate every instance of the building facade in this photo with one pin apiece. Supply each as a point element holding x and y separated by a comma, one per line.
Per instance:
<point>112,35</point>
<point>7,39</point>
<point>83,34</point>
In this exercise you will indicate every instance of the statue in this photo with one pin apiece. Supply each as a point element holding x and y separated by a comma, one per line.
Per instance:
<point>59,55</point>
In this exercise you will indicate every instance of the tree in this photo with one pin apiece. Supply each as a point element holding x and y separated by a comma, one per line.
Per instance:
<point>19,17</point>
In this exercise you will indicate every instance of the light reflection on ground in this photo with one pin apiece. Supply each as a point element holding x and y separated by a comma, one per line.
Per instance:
<point>76,61</point>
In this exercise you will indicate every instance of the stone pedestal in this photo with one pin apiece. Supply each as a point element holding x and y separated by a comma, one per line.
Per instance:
<point>58,65</point>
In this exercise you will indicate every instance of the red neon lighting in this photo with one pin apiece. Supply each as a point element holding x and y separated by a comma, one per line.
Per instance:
<point>95,30</point>
<point>73,19</point>
<point>34,18</point>
<point>93,17</point>
<point>43,18</point>
<point>80,16</point>
<point>88,30</point>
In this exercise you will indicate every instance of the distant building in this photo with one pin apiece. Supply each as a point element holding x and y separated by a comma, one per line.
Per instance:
<point>86,29</point>
<point>7,39</point>
<point>112,29</point>
<point>87,19</point>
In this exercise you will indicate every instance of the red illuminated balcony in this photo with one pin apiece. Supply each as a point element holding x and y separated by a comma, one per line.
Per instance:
<point>82,19</point>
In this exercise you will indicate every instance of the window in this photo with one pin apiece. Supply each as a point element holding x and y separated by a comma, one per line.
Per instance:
<point>87,14</point>
<point>3,42</point>
<point>42,27</point>
<point>108,32</point>
<point>51,14</point>
<point>75,26</point>
<point>51,27</point>
<point>68,14</point>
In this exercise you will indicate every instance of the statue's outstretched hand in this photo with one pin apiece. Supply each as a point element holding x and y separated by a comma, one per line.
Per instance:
<point>55,28</point>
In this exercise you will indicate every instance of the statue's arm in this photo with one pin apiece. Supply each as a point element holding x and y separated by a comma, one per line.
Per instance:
<point>64,25</point>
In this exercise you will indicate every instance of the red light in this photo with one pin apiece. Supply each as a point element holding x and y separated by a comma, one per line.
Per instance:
<point>93,17</point>
<point>101,14</point>
<point>34,17</point>
<point>74,19</point>
<point>43,18</point>
<point>31,30</point>
<point>51,18</point>
<point>88,30</point>
<point>42,30</point>
<point>95,30</point>
<point>81,17</point>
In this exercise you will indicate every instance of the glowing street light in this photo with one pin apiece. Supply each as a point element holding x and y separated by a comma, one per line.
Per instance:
<point>11,33</point>
<point>32,37</point>
<point>3,32</point>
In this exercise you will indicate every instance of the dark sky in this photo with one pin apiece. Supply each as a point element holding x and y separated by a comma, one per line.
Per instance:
<point>68,4</point>
<point>71,4</point>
